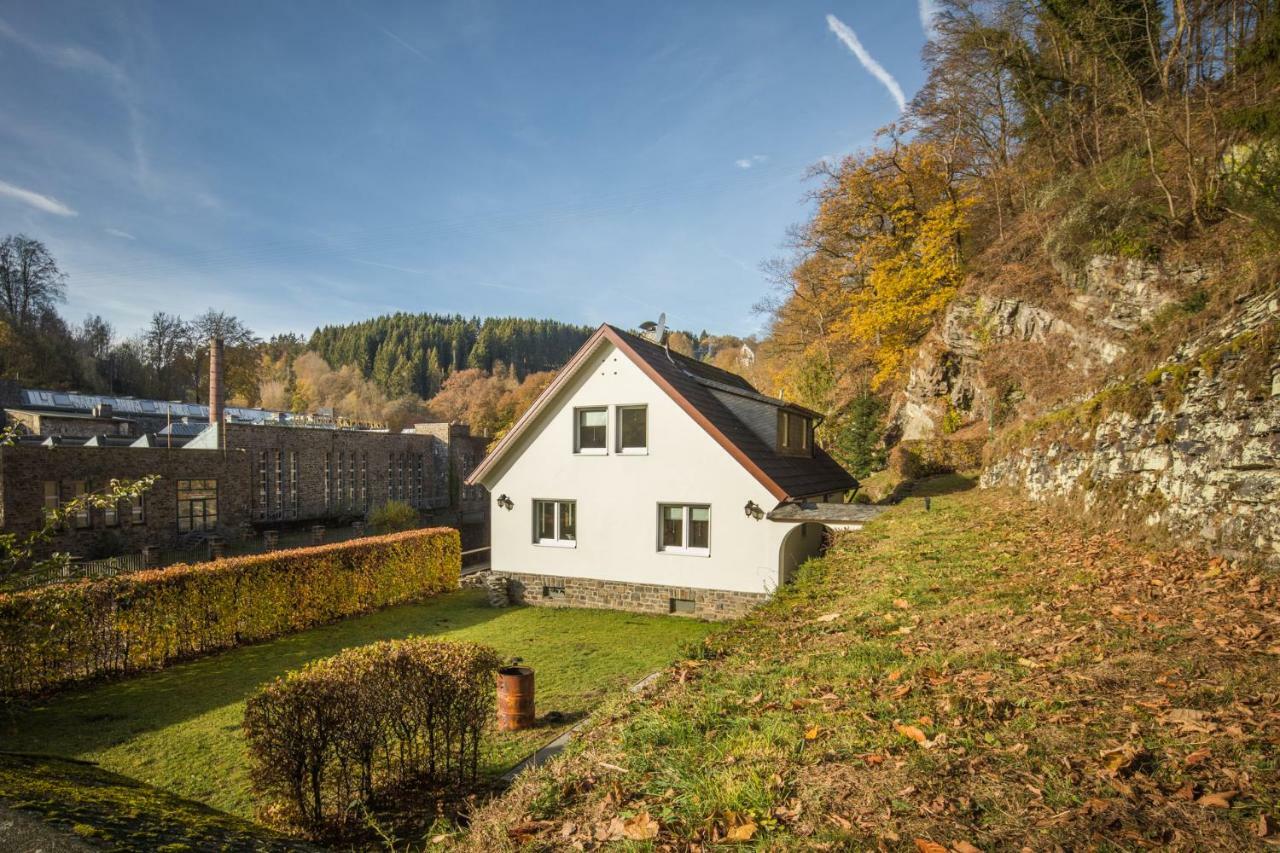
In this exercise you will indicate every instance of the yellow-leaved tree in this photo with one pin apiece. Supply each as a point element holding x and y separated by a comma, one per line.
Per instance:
<point>886,242</point>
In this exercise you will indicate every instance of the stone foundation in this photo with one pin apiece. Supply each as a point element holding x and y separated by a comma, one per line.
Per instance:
<point>555,591</point>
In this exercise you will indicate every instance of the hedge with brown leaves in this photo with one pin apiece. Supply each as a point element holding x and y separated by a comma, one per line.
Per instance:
<point>62,634</point>
<point>382,719</point>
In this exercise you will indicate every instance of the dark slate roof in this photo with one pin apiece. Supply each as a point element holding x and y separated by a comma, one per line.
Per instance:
<point>798,476</point>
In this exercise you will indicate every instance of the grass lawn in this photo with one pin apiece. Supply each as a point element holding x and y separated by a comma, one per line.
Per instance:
<point>988,675</point>
<point>179,729</point>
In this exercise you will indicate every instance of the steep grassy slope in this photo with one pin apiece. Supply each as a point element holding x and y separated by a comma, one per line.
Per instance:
<point>985,675</point>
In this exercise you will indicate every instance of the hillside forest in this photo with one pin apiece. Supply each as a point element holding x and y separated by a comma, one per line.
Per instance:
<point>1047,133</point>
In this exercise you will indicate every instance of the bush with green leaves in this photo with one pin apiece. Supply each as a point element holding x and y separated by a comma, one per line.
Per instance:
<point>373,721</point>
<point>392,517</point>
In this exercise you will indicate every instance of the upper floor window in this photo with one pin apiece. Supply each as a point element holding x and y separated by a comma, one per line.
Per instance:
<point>794,434</point>
<point>589,431</point>
<point>555,523</point>
<point>684,529</point>
<point>633,429</point>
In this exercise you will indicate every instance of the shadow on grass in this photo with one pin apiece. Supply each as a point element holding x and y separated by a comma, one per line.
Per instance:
<point>932,487</point>
<point>100,716</point>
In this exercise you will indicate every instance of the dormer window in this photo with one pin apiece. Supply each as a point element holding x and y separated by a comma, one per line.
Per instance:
<point>590,428</point>
<point>795,434</point>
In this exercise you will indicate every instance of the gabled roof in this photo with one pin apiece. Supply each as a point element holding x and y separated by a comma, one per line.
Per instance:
<point>692,384</point>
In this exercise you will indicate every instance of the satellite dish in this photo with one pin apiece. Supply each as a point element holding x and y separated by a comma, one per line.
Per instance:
<point>655,332</point>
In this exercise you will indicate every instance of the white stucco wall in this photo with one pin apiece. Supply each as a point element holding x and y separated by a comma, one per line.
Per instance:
<point>618,495</point>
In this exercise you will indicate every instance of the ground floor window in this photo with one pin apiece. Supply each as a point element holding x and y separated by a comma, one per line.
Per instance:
<point>555,523</point>
<point>197,505</point>
<point>52,498</point>
<point>78,491</point>
<point>133,510</point>
<point>684,528</point>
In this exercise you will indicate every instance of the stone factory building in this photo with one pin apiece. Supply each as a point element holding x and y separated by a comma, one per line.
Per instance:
<point>246,471</point>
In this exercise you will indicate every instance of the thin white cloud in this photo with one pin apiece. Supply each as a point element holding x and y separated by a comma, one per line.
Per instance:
<point>928,13</point>
<point>75,58</point>
<point>41,202</point>
<point>123,235</point>
<point>850,39</point>
<point>753,160</point>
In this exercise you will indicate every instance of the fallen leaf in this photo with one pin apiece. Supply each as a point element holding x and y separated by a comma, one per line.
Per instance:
<point>1198,756</point>
<point>911,732</point>
<point>756,698</point>
<point>965,847</point>
<point>1263,827</point>
<point>828,617</point>
<point>811,733</point>
<point>640,828</point>
<point>1217,799</point>
<point>902,604</point>
<point>923,845</point>
<point>741,832</point>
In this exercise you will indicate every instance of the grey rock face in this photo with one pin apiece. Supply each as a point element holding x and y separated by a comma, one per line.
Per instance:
<point>1206,467</point>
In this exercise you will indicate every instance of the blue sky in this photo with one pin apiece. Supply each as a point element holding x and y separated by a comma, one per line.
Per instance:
<point>307,163</point>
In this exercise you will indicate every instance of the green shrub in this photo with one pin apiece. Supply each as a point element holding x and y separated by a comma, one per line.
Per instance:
<point>374,721</point>
<point>65,633</point>
<point>392,517</point>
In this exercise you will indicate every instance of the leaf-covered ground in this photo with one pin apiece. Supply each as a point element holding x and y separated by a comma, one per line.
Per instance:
<point>987,675</point>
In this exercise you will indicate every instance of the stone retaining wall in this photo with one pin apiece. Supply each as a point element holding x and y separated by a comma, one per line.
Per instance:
<point>554,591</point>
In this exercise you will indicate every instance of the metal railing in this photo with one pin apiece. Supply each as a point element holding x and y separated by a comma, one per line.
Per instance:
<point>79,569</point>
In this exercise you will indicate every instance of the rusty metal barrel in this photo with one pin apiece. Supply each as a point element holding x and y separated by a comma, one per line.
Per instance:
<point>515,698</point>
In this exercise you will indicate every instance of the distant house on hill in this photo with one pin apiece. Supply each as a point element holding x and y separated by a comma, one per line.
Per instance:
<point>645,480</point>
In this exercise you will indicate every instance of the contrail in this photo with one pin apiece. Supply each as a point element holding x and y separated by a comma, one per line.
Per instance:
<point>877,70</point>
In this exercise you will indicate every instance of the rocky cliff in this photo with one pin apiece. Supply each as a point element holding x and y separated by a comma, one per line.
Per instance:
<point>1191,445</point>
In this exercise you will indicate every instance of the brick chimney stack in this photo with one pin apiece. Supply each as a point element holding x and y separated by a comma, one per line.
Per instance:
<point>215,380</point>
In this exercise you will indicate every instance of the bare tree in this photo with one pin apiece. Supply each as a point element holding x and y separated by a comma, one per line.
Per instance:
<point>166,342</point>
<point>30,281</point>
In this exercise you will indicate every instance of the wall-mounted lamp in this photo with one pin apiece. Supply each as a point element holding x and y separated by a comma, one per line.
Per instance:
<point>753,510</point>
<point>506,502</point>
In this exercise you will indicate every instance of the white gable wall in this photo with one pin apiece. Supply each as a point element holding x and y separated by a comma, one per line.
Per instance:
<point>618,495</point>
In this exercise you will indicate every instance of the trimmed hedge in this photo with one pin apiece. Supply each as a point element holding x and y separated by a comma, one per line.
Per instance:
<point>58,635</point>
<point>380,720</point>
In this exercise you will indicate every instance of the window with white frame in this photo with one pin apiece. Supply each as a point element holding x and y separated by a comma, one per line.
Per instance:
<point>633,429</point>
<point>684,529</point>
<point>555,523</point>
<point>590,428</point>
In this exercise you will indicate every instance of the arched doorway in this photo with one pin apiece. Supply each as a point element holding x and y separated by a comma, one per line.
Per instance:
<point>802,541</point>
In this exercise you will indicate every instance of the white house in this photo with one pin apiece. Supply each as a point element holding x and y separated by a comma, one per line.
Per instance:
<point>645,480</point>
